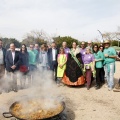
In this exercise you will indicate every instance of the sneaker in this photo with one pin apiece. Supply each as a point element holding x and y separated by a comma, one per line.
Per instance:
<point>58,85</point>
<point>98,87</point>
<point>106,86</point>
<point>109,89</point>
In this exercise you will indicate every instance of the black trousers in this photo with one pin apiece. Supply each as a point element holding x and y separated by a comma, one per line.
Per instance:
<point>98,76</point>
<point>102,75</point>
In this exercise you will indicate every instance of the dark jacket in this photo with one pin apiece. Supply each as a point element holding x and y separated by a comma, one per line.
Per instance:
<point>24,59</point>
<point>9,61</point>
<point>50,56</point>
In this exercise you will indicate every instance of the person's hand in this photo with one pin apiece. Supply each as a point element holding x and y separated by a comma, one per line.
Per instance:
<point>13,67</point>
<point>106,55</point>
<point>61,66</point>
<point>96,60</point>
<point>92,69</point>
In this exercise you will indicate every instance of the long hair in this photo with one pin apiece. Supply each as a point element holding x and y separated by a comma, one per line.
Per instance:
<point>97,48</point>
<point>101,46</point>
<point>61,48</point>
<point>25,48</point>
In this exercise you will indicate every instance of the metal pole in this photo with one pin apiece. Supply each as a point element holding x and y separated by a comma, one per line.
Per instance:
<point>101,34</point>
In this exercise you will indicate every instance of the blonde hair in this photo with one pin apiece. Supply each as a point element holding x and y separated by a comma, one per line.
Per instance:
<point>88,49</point>
<point>61,48</point>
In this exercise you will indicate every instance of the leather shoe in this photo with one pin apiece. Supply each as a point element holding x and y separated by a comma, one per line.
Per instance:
<point>97,87</point>
<point>88,87</point>
<point>15,90</point>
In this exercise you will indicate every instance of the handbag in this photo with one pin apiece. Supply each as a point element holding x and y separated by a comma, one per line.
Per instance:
<point>23,68</point>
<point>87,67</point>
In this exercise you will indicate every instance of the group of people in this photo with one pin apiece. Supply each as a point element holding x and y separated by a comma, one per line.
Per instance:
<point>76,66</point>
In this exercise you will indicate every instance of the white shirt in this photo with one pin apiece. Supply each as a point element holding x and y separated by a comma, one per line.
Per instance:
<point>13,56</point>
<point>54,54</point>
<point>1,56</point>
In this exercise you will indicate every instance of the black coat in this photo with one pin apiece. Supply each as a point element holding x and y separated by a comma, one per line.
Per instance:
<point>9,61</point>
<point>4,53</point>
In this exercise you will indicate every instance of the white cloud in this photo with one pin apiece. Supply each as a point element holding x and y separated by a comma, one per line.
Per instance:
<point>78,18</point>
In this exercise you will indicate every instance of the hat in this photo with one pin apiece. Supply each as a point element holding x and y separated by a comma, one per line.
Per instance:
<point>106,41</point>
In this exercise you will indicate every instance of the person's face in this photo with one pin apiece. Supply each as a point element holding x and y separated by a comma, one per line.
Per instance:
<point>36,46</point>
<point>87,51</point>
<point>74,45</point>
<point>31,47</point>
<point>64,44</point>
<point>43,48</point>
<point>95,48</point>
<point>82,45</point>
<point>23,48</point>
<point>53,45</point>
<point>90,44</point>
<point>1,44</point>
<point>107,45</point>
<point>101,48</point>
<point>61,51</point>
<point>12,47</point>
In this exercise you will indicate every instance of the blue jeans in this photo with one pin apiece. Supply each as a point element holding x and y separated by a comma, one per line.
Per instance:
<point>110,75</point>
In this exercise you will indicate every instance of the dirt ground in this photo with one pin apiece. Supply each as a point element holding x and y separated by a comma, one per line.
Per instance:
<point>81,104</point>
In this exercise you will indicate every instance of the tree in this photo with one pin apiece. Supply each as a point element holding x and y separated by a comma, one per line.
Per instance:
<point>39,37</point>
<point>7,41</point>
<point>58,40</point>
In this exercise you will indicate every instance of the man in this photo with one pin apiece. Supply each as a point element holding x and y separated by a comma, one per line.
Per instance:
<point>66,49</point>
<point>83,49</point>
<point>32,60</point>
<point>12,60</point>
<point>109,61</point>
<point>89,44</point>
<point>52,58</point>
<point>37,47</point>
<point>2,64</point>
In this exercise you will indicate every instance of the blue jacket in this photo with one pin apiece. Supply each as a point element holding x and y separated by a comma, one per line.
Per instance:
<point>50,57</point>
<point>24,59</point>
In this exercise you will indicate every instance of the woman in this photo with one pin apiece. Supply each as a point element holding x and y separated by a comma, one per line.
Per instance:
<point>73,74</point>
<point>89,63</point>
<point>43,57</point>
<point>98,65</point>
<point>24,58</point>
<point>62,59</point>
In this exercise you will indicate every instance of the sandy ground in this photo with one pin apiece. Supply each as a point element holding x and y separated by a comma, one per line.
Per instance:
<point>81,104</point>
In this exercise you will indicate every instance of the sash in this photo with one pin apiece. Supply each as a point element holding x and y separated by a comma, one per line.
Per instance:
<point>76,60</point>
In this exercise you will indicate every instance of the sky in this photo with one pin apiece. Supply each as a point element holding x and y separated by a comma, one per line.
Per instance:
<point>80,19</point>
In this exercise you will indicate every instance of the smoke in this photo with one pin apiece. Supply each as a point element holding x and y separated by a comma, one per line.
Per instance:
<point>43,88</point>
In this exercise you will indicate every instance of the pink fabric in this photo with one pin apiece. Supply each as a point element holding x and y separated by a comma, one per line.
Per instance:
<point>61,54</point>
